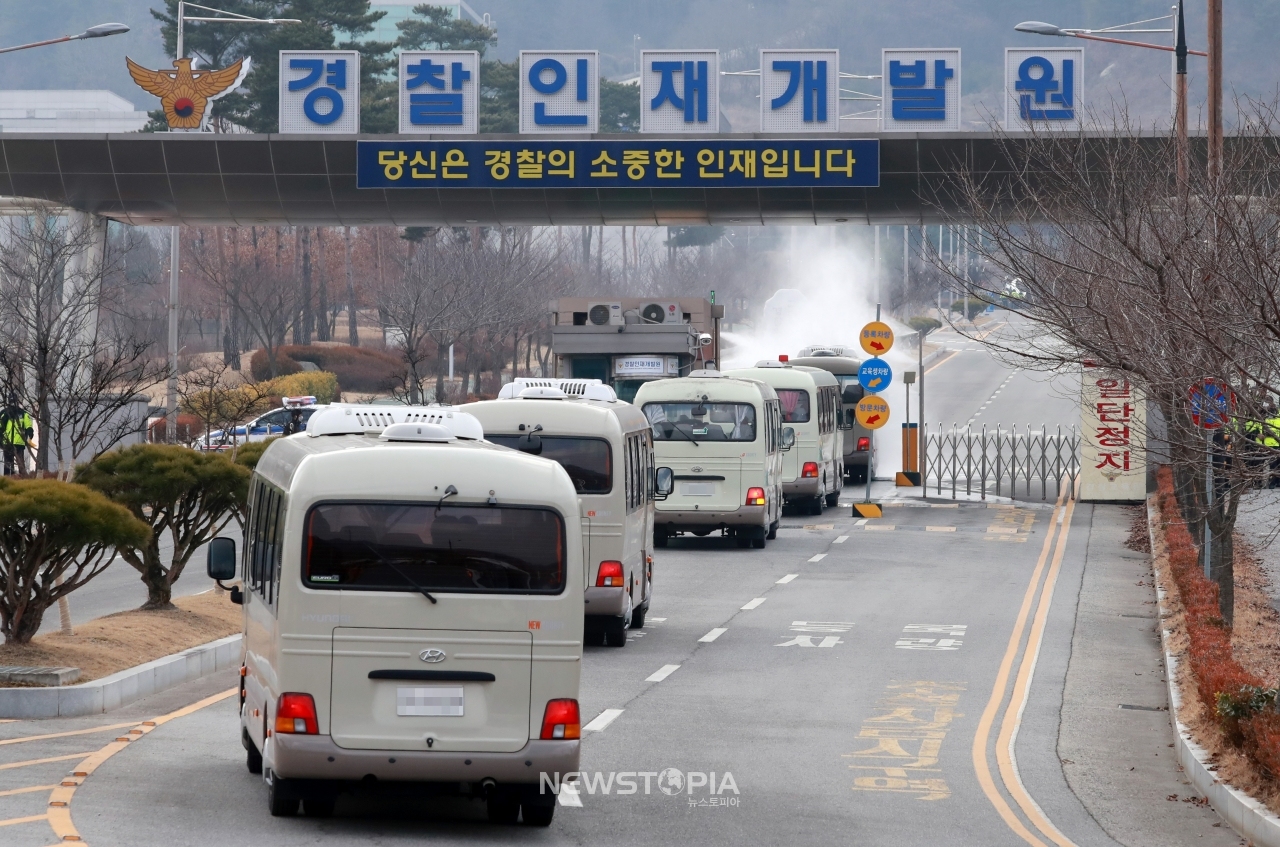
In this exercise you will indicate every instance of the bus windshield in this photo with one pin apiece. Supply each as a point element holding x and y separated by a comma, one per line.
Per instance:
<point>437,547</point>
<point>713,421</point>
<point>588,461</point>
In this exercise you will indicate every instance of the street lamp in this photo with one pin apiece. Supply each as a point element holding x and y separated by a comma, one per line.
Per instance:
<point>98,31</point>
<point>1179,50</point>
<point>171,392</point>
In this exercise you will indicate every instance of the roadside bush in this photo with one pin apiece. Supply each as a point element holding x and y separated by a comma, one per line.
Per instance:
<point>54,537</point>
<point>188,494</point>
<point>921,323</point>
<point>970,307</point>
<point>322,384</point>
<point>1246,710</point>
<point>357,368</point>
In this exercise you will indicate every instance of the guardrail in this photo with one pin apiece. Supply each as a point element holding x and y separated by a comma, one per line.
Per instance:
<point>995,461</point>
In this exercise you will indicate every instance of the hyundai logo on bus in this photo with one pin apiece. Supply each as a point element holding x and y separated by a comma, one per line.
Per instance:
<point>431,656</point>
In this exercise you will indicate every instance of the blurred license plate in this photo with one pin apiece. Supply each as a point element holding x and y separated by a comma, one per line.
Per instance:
<point>698,489</point>
<point>433,701</point>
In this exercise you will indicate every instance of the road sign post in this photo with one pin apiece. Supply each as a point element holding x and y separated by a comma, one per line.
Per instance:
<point>872,412</point>
<point>1211,406</point>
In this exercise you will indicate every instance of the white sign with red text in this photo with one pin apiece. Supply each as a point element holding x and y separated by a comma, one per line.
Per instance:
<point>1113,448</point>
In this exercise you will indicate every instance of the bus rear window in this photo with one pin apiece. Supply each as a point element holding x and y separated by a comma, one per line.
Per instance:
<point>407,546</point>
<point>794,403</point>
<point>587,460</point>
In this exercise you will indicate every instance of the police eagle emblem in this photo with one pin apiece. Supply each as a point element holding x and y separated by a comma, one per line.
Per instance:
<point>185,93</point>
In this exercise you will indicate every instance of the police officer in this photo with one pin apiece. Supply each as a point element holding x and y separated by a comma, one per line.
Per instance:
<point>16,432</point>
<point>295,424</point>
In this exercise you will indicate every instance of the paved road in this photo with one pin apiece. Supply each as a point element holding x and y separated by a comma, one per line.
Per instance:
<point>922,679</point>
<point>845,702</point>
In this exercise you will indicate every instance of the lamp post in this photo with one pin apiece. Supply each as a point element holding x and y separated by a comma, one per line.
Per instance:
<point>1179,49</point>
<point>99,31</point>
<point>175,252</point>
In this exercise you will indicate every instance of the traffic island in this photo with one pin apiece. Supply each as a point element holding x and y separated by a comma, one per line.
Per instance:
<point>867,510</point>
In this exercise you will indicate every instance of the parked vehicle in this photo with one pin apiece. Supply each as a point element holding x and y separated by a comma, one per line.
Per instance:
<point>723,439</point>
<point>292,416</point>
<point>859,459</point>
<point>809,398</point>
<point>606,448</point>
<point>412,612</point>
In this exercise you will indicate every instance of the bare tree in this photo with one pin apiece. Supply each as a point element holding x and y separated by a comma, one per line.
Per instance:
<point>78,375</point>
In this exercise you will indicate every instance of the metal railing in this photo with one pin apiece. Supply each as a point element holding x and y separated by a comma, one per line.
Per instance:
<point>996,461</point>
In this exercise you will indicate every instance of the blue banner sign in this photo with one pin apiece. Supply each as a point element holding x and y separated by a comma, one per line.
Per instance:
<point>649,163</point>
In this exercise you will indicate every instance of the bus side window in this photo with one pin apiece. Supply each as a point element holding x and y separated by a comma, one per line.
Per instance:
<point>277,551</point>
<point>254,539</point>
<point>269,546</point>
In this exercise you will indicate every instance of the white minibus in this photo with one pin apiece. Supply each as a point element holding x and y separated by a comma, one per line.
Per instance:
<point>412,612</point>
<point>809,399</point>
<point>722,437</point>
<point>604,445</point>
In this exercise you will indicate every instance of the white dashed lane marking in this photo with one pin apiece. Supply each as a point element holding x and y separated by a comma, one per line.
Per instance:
<point>787,579</point>
<point>818,558</point>
<point>753,604</point>
<point>842,539</point>
<point>713,635</point>
<point>662,673</point>
<point>569,795</point>
<point>602,720</point>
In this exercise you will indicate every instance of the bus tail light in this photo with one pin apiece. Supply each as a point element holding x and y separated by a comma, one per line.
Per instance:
<point>755,496</point>
<point>296,714</point>
<point>864,444</point>
<point>561,720</point>
<point>609,575</point>
<point>810,470</point>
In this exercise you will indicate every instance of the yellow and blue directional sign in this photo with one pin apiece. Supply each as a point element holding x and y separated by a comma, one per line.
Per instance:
<point>874,375</point>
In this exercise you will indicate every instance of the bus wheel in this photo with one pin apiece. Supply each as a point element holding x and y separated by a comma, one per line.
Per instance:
<point>637,622</point>
<point>660,538</point>
<point>773,531</point>
<point>743,541</point>
<point>503,808</point>
<point>253,759</point>
<point>758,543</point>
<point>282,800</point>
<point>539,815</point>
<point>318,807</point>
<point>615,632</point>
<point>833,499</point>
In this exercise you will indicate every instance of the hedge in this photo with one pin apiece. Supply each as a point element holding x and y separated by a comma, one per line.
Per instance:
<point>322,384</point>
<point>357,368</point>
<point>1246,710</point>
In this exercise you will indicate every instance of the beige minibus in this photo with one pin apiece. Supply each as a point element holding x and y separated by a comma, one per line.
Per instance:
<point>412,613</point>
<point>605,446</point>
<point>858,458</point>
<point>722,437</point>
<point>809,399</point>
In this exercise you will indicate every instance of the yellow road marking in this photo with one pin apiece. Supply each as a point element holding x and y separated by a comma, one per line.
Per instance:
<point>59,816</point>
<point>979,750</point>
<point>1022,690</point>
<point>13,791</point>
<point>29,819</point>
<point>26,738</point>
<point>943,362</point>
<point>11,765</point>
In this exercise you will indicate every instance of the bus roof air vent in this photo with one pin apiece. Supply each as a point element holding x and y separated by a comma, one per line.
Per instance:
<point>586,389</point>
<point>354,419</point>
<point>421,432</point>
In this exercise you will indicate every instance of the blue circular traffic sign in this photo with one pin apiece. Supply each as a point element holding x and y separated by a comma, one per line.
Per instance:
<point>1211,404</point>
<point>875,375</point>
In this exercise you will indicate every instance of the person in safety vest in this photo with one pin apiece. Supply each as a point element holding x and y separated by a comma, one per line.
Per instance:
<point>16,432</point>
<point>1269,440</point>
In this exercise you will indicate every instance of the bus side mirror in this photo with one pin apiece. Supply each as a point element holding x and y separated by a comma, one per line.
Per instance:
<point>788,438</point>
<point>221,563</point>
<point>664,483</point>
<point>531,444</point>
<point>851,394</point>
<point>847,419</point>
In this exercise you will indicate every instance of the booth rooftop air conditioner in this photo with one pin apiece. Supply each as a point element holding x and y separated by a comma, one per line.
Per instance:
<point>605,314</point>
<point>661,313</point>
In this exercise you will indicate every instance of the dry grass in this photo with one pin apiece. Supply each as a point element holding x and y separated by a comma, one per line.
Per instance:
<point>104,646</point>
<point>1251,634</point>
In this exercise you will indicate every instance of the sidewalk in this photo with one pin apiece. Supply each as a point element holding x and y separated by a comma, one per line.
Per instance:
<point>1119,761</point>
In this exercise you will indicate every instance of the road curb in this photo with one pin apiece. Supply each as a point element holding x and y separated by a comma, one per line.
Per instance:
<point>126,686</point>
<point>1250,819</point>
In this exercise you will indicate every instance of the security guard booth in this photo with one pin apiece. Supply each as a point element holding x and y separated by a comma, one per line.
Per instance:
<point>628,341</point>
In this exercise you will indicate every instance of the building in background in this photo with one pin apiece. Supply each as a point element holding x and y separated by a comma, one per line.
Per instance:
<point>62,110</point>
